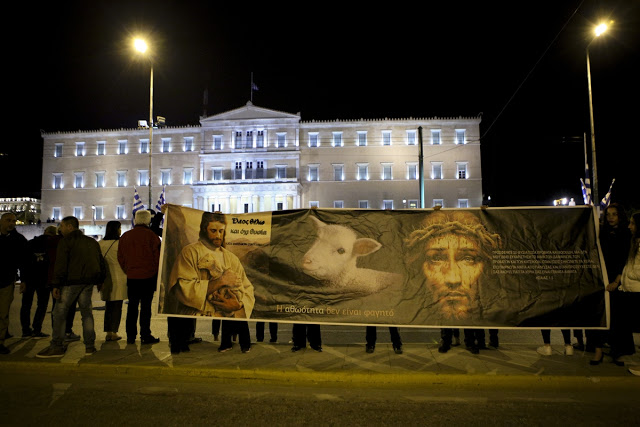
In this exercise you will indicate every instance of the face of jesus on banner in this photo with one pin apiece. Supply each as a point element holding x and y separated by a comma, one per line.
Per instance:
<point>215,233</point>
<point>452,268</point>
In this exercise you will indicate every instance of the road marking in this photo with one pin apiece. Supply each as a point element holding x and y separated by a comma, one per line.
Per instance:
<point>59,390</point>
<point>330,397</point>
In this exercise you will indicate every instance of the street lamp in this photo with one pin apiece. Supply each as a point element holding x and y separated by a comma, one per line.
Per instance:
<point>141,46</point>
<point>600,29</point>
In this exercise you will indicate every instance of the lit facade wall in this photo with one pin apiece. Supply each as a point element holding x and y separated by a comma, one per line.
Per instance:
<point>256,159</point>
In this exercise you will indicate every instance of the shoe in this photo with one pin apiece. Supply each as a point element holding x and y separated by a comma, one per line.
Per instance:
<point>50,352</point>
<point>71,337</point>
<point>296,348</point>
<point>131,340</point>
<point>474,350</point>
<point>618,362</point>
<point>150,340</point>
<point>397,350</point>
<point>89,351</point>
<point>595,362</point>
<point>444,348</point>
<point>259,339</point>
<point>4,350</point>
<point>494,344</point>
<point>194,341</point>
<point>317,348</point>
<point>273,340</point>
<point>185,348</point>
<point>175,349</point>
<point>215,337</point>
<point>370,348</point>
<point>224,349</point>
<point>579,347</point>
<point>246,350</point>
<point>455,341</point>
<point>38,335</point>
<point>635,370</point>
<point>568,350</point>
<point>27,334</point>
<point>114,337</point>
<point>545,350</point>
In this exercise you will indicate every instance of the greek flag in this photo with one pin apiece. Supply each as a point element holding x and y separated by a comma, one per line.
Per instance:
<point>586,186</point>
<point>161,200</point>
<point>137,204</point>
<point>604,203</point>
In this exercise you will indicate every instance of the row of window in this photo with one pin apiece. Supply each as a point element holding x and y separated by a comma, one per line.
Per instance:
<point>388,204</point>
<point>386,172</point>
<point>255,139</point>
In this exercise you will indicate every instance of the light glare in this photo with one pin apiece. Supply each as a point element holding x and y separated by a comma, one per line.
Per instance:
<point>140,45</point>
<point>600,29</point>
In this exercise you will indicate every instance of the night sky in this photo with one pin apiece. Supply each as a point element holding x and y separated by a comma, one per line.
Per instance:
<point>521,64</point>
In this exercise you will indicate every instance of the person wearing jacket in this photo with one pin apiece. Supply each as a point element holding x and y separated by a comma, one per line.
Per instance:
<point>139,258</point>
<point>79,267</point>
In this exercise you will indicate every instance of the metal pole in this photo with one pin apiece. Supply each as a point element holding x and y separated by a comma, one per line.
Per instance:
<point>596,200</point>
<point>421,168</point>
<point>150,134</point>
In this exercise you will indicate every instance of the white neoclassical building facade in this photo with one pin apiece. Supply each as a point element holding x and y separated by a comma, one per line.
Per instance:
<point>256,159</point>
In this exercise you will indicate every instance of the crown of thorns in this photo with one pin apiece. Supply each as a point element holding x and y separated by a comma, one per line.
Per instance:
<point>478,231</point>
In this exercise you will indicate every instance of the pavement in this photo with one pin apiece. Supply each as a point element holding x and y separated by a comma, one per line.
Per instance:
<point>343,359</point>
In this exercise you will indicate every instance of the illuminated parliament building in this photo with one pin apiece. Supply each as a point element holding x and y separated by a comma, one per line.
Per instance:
<point>254,159</point>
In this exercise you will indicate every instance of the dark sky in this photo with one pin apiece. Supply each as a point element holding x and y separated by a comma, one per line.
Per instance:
<point>521,64</point>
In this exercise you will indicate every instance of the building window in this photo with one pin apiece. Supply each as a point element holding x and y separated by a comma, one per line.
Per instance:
<point>217,174</point>
<point>57,181</point>
<point>260,139</point>
<point>462,171</point>
<point>56,214</point>
<point>337,139</point>
<point>79,149</point>
<point>282,140</point>
<point>166,145</point>
<point>122,147</point>
<point>412,171</point>
<point>460,136</point>
<point>338,204</point>
<point>248,142</point>
<point>121,178</point>
<point>144,146</point>
<point>363,171</point>
<point>362,139</point>
<point>237,173</point>
<point>363,204</point>
<point>463,203</point>
<point>413,204</point>
<point>120,212</point>
<point>187,176</point>
<point>238,140</point>
<point>188,144</point>
<point>260,169</point>
<point>386,171</point>
<point>314,204</point>
<point>217,142</point>
<point>143,177</point>
<point>98,213</point>
<point>101,148</point>
<point>78,180</point>
<point>313,173</point>
<point>411,137</point>
<point>57,151</point>
<point>281,171</point>
<point>338,172</point>
<point>436,170</point>
<point>387,204</point>
<point>313,139</point>
<point>435,137</point>
<point>386,137</point>
<point>165,176</point>
<point>438,202</point>
<point>77,212</point>
<point>100,179</point>
<point>248,171</point>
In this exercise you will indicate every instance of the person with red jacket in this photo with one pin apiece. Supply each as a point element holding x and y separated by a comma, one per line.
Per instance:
<point>139,257</point>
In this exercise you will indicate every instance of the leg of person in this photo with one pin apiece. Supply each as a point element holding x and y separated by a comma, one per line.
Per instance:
<point>314,336</point>
<point>225,341</point>
<point>566,336</point>
<point>493,338</point>
<point>579,338</point>
<point>192,326</point>
<point>273,331</point>
<point>41,311</point>
<point>6,297</point>
<point>149,287</point>
<point>71,315</point>
<point>177,338</point>
<point>592,337</point>
<point>545,350</point>
<point>470,341</point>
<point>396,341</point>
<point>480,339</point>
<point>259,331</point>
<point>215,328</point>
<point>131,324</point>
<point>595,338</point>
<point>86,311</point>
<point>299,332</point>
<point>244,335</point>
<point>455,341</point>
<point>445,340</point>
<point>59,319</point>
<point>108,319</point>
<point>25,311</point>
<point>371,337</point>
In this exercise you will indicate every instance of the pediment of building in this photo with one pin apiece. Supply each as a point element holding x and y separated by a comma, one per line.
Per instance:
<point>247,113</point>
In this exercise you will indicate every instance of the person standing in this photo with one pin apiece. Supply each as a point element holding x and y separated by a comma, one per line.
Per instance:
<point>13,253</point>
<point>139,257</point>
<point>372,335</point>
<point>37,275</point>
<point>114,289</point>
<point>449,338</point>
<point>79,267</point>
<point>273,331</point>
<point>303,332</point>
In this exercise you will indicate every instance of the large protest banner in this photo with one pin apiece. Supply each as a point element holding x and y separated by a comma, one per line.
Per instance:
<point>494,268</point>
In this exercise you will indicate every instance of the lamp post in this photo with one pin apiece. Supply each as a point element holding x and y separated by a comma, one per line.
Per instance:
<point>141,46</point>
<point>598,31</point>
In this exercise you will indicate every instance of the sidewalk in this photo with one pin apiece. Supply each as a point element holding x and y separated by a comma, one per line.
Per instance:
<point>343,359</point>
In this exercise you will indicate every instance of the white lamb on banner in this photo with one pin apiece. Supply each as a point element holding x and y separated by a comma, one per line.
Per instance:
<point>332,259</point>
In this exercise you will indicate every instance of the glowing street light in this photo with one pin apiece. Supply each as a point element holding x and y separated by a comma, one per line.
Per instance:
<point>599,30</point>
<point>142,47</point>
